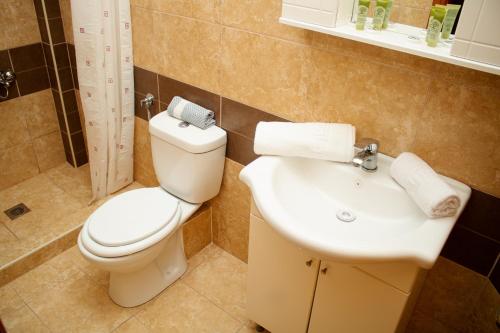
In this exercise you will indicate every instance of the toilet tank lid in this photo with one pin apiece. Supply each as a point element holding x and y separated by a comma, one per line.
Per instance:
<point>191,138</point>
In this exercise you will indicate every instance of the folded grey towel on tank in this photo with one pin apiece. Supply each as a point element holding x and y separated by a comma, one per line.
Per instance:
<point>189,112</point>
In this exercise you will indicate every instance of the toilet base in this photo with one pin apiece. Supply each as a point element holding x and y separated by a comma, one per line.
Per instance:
<point>135,288</point>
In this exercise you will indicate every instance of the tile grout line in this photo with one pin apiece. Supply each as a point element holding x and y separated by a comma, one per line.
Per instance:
<point>212,302</point>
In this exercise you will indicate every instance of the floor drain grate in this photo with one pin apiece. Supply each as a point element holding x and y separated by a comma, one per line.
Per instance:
<point>16,211</point>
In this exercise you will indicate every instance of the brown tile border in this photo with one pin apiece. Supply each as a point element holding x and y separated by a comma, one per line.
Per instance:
<point>242,119</point>
<point>57,30</point>
<point>33,80</point>
<point>239,148</point>
<point>27,57</point>
<point>169,88</point>
<point>145,82</point>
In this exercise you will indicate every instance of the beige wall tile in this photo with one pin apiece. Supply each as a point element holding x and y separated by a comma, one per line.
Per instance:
<point>67,20</point>
<point>179,47</point>
<point>197,232</point>
<point>265,73</point>
<point>458,134</point>
<point>49,150</point>
<point>261,16</point>
<point>188,50</point>
<point>28,125</point>
<point>207,10</point>
<point>40,113</point>
<point>17,164</point>
<point>19,24</point>
<point>144,38</point>
<point>231,213</point>
<point>13,128</point>
<point>143,161</point>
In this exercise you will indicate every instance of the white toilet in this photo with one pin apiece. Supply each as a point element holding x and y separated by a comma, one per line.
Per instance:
<point>137,235</point>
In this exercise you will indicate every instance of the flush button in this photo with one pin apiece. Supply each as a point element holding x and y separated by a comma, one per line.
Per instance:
<point>345,215</point>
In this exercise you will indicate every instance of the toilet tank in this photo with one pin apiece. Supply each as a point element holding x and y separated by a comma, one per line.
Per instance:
<point>188,161</point>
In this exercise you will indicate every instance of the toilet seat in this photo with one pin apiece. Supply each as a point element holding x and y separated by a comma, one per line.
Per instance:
<point>131,222</point>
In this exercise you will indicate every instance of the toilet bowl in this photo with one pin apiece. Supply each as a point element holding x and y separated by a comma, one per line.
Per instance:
<point>137,235</point>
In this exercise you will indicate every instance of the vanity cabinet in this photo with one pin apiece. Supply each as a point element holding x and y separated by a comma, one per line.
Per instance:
<point>290,290</point>
<point>281,281</point>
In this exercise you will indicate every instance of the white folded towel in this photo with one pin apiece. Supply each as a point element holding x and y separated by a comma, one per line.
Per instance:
<point>324,141</point>
<point>431,193</point>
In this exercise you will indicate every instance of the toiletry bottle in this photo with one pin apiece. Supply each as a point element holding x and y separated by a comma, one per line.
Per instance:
<point>387,15</point>
<point>449,20</point>
<point>363,7</point>
<point>379,14</point>
<point>435,24</point>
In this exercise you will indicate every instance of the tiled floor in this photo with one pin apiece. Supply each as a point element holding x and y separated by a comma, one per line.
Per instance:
<point>66,294</point>
<point>58,200</point>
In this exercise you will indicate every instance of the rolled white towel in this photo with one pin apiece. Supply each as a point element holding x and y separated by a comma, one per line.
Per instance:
<point>324,141</point>
<point>192,113</point>
<point>431,193</point>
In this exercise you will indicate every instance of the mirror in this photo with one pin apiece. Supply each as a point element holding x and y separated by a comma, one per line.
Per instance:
<point>411,12</point>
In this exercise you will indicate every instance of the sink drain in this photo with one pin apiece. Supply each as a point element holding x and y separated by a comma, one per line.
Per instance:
<point>345,215</point>
<point>16,211</point>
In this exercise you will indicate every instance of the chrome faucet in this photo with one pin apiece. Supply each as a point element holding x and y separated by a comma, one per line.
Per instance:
<point>367,157</point>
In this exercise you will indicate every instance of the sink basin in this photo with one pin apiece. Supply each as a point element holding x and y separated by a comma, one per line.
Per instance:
<point>345,214</point>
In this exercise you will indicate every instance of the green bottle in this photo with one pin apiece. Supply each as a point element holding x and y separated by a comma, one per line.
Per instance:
<point>379,14</point>
<point>449,20</point>
<point>388,12</point>
<point>435,24</point>
<point>363,7</point>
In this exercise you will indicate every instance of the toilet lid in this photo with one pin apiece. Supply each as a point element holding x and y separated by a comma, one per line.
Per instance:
<point>132,216</point>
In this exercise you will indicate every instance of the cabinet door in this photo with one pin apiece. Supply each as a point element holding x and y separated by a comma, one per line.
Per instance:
<point>281,281</point>
<point>348,300</point>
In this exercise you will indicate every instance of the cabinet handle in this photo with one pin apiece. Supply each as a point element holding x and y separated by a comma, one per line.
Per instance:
<point>324,270</point>
<point>309,263</point>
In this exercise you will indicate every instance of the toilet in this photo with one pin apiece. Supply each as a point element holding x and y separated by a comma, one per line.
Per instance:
<point>137,235</point>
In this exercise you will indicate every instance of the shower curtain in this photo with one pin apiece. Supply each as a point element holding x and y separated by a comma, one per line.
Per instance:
<point>103,43</point>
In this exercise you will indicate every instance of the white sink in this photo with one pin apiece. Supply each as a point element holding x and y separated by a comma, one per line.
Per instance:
<point>301,198</point>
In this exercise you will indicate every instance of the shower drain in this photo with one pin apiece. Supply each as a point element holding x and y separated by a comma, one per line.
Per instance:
<point>16,211</point>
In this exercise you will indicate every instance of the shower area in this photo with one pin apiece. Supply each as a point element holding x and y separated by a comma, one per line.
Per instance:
<point>45,185</point>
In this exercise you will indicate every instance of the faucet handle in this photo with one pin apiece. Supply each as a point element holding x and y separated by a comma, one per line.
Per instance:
<point>368,144</point>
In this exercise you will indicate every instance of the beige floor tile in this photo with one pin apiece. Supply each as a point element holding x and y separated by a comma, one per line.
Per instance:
<point>47,202</point>
<point>422,323</point>
<point>181,309</point>
<point>484,314</point>
<point>222,280</point>
<point>48,276</point>
<point>74,181</point>
<point>23,320</point>
<point>79,305</point>
<point>10,300</point>
<point>74,257</point>
<point>449,292</point>
<point>209,252</point>
<point>131,326</point>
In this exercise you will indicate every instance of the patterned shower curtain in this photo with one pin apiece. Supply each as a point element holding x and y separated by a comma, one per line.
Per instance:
<point>103,42</point>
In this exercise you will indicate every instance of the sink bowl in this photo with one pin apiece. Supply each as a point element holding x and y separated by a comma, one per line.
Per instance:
<point>345,214</point>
